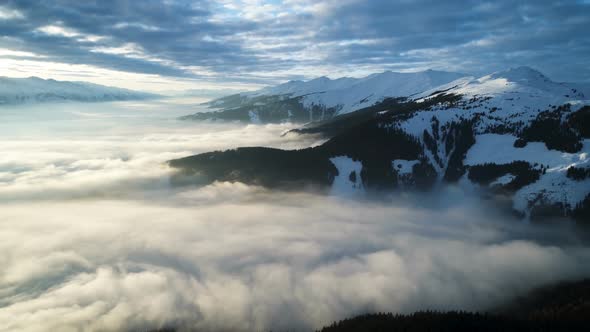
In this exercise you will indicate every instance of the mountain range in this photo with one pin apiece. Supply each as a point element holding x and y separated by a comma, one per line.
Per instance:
<point>36,90</point>
<point>515,135</point>
<point>320,98</point>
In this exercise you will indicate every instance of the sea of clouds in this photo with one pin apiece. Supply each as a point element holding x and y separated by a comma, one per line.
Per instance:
<point>94,238</point>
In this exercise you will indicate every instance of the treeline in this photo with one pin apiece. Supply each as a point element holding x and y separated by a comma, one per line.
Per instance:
<point>523,172</point>
<point>454,321</point>
<point>578,173</point>
<point>581,212</point>
<point>557,134</point>
<point>559,307</point>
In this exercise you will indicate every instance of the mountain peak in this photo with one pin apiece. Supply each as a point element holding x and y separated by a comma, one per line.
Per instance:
<point>321,79</point>
<point>518,74</point>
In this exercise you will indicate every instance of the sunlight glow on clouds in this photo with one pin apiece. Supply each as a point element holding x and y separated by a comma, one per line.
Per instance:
<point>54,30</point>
<point>57,30</point>
<point>13,53</point>
<point>79,72</point>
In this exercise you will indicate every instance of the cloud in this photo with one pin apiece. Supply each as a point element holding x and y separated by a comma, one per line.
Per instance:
<point>10,14</point>
<point>170,32</point>
<point>269,41</point>
<point>63,160</point>
<point>93,237</point>
<point>281,261</point>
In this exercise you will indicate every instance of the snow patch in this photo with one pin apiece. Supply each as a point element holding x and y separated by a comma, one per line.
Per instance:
<point>499,149</point>
<point>343,185</point>
<point>503,180</point>
<point>404,167</point>
<point>552,187</point>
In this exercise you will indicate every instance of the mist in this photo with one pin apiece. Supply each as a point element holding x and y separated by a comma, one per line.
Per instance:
<point>94,237</point>
<point>71,150</point>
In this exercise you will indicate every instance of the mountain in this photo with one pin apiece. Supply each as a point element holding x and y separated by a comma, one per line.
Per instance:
<point>321,98</point>
<point>34,89</point>
<point>513,134</point>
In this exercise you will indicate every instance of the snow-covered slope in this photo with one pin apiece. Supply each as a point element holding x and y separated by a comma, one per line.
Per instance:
<point>374,88</point>
<point>300,88</point>
<point>506,102</point>
<point>323,98</point>
<point>513,133</point>
<point>519,105</point>
<point>34,89</point>
<point>515,89</point>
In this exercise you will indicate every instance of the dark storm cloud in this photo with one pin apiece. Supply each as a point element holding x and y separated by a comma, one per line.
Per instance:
<point>238,39</point>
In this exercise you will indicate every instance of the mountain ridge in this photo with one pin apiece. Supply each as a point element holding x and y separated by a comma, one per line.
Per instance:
<point>512,133</point>
<point>37,90</point>
<point>320,98</point>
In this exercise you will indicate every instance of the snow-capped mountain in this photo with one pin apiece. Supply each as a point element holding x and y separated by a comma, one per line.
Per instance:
<point>516,116</point>
<point>34,89</point>
<point>322,98</point>
<point>513,133</point>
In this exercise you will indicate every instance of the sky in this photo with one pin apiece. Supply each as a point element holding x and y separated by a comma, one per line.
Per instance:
<point>165,45</point>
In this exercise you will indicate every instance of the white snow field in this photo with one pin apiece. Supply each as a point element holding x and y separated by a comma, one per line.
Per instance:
<point>342,185</point>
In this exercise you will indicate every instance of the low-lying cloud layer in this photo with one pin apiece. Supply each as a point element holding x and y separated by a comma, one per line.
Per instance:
<point>93,238</point>
<point>78,150</point>
<point>229,256</point>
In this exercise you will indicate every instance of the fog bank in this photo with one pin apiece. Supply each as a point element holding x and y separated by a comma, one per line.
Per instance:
<point>214,258</point>
<point>55,151</point>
